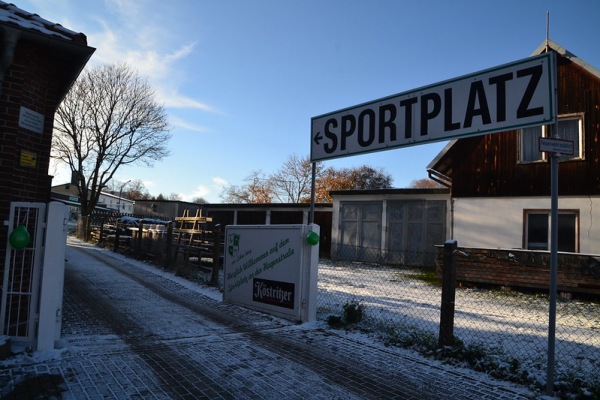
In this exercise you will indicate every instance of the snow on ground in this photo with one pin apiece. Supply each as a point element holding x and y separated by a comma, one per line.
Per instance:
<point>507,323</point>
<point>515,323</point>
<point>98,362</point>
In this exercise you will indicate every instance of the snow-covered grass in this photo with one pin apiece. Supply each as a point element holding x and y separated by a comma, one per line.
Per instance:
<point>504,333</point>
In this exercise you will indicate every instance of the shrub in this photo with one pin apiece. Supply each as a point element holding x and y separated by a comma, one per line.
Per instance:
<point>352,313</point>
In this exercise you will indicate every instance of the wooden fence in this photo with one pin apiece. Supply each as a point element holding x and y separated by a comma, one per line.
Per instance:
<point>516,268</point>
<point>193,243</point>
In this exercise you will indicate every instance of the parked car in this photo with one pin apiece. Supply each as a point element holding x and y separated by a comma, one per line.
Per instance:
<point>134,222</point>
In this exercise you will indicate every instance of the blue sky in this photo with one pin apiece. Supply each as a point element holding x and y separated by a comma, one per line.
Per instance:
<point>241,79</point>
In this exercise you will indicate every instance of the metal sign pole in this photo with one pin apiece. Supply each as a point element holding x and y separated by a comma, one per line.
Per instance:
<point>553,238</point>
<point>553,272</point>
<point>312,194</point>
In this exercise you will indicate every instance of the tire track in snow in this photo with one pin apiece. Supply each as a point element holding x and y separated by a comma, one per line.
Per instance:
<point>178,375</point>
<point>259,347</point>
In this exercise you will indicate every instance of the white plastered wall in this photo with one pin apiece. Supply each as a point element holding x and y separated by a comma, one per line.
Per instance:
<point>498,222</point>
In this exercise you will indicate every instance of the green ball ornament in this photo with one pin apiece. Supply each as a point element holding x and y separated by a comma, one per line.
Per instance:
<point>19,237</point>
<point>312,238</point>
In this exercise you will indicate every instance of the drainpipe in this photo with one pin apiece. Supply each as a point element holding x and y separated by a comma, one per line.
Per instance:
<point>447,182</point>
<point>10,37</point>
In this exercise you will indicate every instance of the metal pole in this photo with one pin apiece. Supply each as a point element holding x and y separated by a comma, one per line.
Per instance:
<point>311,219</point>
<point>553,239</point>
<point>446,336</point>
<point>120,194</point>
<point>553,272</point>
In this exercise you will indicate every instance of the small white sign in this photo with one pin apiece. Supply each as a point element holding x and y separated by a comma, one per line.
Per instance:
<point>31,120</point>
<point>560,146</point>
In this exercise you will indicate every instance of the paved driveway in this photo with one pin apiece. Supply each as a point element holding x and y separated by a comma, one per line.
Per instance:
<point>130,332</point>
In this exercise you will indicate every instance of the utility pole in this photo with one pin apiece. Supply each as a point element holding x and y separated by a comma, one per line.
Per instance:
<point>120,193</point>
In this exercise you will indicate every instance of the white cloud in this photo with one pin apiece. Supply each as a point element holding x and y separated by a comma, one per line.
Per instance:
<point>220,182</point>
<point>183,52</point>
<point>175,100</point>
<point>145,46</point>
<point>60,171</point>
<point>180,123</point>
<point>201,191</point>
<point>149,184</point>
<point>208,193</point>
<point>125,7</point>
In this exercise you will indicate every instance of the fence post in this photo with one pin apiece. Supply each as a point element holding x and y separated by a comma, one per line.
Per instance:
<point>101,234</point>
<point>168,245</point>
<point>446,337</point>
<point>117,236</point>
<point>214,279</point>
<point>138,244</point>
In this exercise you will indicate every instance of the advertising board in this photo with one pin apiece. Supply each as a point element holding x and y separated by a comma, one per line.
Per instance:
<point>272,268</point>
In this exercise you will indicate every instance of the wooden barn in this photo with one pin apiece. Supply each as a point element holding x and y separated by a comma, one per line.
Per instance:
<point>500,183</point>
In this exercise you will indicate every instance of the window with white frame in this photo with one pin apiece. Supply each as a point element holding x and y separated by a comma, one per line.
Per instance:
<point>570,127</point>
<point>537,230</point>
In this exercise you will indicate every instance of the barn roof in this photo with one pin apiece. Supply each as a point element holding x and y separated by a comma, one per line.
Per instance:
<point>566,54</point>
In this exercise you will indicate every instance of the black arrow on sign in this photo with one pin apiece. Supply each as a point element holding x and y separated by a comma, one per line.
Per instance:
<point>318,138</point>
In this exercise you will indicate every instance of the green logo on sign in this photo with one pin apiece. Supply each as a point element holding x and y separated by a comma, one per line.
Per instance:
<point>233,244</point>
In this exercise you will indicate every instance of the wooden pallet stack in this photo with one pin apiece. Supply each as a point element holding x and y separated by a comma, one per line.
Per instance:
<point>190,236</point>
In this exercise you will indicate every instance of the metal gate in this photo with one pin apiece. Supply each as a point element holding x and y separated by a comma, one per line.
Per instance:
<point>414,228</point>
<point>22,273</point>
<point>360,231</point>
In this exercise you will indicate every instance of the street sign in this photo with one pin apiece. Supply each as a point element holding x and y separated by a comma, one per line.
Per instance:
<point>560,146</point>
<point>503,98</point>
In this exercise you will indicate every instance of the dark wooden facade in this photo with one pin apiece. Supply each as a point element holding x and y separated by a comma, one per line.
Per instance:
<point>488,166</point>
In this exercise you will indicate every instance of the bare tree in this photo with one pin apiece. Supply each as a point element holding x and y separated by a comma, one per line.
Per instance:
<point>363,177</point>
<point>257,189</point>
<point>292,182</point>
<point>366,177</point>
<point>136,190</point>
<point>425,183</point>
<point>174,197</point>
<point>109,118</point>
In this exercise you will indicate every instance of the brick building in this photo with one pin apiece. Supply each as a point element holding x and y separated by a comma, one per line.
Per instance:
<point>39,61</point>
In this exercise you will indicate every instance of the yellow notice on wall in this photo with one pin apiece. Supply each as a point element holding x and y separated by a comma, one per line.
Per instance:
<point>28,159</point>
